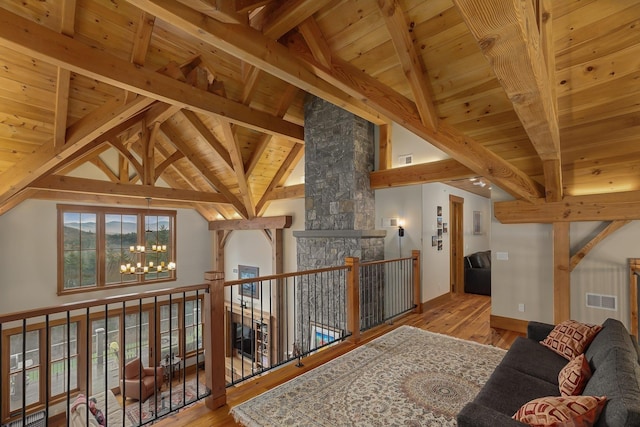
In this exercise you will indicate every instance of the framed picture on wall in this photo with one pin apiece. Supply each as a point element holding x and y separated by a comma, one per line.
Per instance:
<point>323,335</point>
<point>250,289</point>
<point>477,222</point>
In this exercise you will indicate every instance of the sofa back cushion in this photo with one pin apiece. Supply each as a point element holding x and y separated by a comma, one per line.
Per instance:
<point>617,376</point>
<point>612,334</point>
<point>480,259</point>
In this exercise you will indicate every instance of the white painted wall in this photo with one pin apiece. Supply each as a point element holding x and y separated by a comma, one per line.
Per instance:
<point>405,142</point>
<point>251,247</point>
<point>436,274</point>
<point>404,203</point>
<point>527,276</point>
<point>28,257</point>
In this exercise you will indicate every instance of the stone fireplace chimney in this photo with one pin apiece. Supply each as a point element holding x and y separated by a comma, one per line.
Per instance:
<point>340,205</point>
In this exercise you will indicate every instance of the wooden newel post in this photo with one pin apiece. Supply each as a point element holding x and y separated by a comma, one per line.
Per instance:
<point>353,298</point>
<point>415,254</point>
<point>214,362</point>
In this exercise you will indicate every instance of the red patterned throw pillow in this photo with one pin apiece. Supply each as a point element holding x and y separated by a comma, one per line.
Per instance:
<point>574,376</point>
<point>570,338</point>
<point>554,411</point>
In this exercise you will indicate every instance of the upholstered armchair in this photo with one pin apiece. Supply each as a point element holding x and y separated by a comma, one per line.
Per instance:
<point>139,382</point>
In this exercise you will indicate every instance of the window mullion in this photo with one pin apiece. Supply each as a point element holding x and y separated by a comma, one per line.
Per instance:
<point>101,250</point>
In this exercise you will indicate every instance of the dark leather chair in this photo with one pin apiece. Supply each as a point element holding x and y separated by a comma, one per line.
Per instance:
<point>139,382</point>
<point>477,273</point>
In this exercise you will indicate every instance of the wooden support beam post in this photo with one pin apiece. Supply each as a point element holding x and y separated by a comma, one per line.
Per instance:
<point>278,327</point>
<point>353,298</point>
<point>561,272</point>
<point>214,343</point>
<point>415,254</point>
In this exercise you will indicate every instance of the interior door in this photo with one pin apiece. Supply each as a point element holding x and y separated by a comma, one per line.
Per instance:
<point>456,243</point>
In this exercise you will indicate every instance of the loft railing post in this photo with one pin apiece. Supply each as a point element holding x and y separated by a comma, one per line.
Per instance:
<point>415,255</point>
<point>353,298</point>
<point>214,360</point>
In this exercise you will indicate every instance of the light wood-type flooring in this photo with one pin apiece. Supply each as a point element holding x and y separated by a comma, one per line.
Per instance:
<point>463,316</point>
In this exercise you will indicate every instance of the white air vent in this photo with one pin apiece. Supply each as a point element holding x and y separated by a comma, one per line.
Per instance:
<point>405,159</point>
<point>606,302</point>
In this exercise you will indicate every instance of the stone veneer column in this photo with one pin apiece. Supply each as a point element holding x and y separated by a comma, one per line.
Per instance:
<point>339,208</point>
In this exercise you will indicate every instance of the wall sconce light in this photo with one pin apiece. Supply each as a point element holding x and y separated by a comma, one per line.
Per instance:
<point>400,236</point>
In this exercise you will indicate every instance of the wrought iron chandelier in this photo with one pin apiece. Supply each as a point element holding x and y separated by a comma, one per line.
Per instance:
<point>139,251</point>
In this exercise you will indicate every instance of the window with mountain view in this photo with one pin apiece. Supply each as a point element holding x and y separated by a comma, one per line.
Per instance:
<point>95,248</point>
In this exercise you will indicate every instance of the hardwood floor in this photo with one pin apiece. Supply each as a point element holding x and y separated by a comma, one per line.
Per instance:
<point>463,316</point>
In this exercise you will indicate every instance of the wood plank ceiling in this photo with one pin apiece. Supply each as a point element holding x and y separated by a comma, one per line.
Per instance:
<point>199,103</point>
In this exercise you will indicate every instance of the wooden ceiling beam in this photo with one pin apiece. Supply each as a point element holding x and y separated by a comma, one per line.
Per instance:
<point>193,157</point>
<point>115,200</point>
<point>508,35</point>
<point>82,133</point>
<point>221,10</point>
<point>100,164</point>
<point>243,6</point>
<point>238,168</point>
<point>94,186</point>
<point>597,207</point>
<point>422,173</point>
<point>262,223</point>
<point>63,80</point>
<point>285,102</point>
<point>398,26</point>
<point>177,155</point>
<point>309,75</point>
<point>254,159</point>
<point>315,40</point>
<point>76,161</point>
<point>30,38</point>
<point>115,143</point>
<point>289,192</point>
<point>172,175</point>
<point>250,75</point>
<point>143,38</point>
<point>289,15</point>
<point>611,228</point>
<point>209,137</point>
<point>281,175</point>
<point>253,47</point>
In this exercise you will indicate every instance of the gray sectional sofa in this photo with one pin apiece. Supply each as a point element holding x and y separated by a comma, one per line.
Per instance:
<point>530,370</point>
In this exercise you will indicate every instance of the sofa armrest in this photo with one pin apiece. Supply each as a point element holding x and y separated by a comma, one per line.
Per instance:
<point>538,331</point>
<point>477,415</point>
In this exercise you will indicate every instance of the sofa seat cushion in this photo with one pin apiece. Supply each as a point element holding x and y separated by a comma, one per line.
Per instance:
<point>110,408</point>
<point>618,378</point>
<point>552,411</point>
<point>532,358</point>
<point>508,389</point>
<point>571,338</point>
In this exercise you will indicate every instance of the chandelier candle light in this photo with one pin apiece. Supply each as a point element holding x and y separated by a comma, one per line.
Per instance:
<point>143,269</point>
<point>139,268</point>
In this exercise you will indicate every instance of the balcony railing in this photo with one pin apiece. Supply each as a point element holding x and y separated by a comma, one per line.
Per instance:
<point>268,321</point>
<point>205,337</point>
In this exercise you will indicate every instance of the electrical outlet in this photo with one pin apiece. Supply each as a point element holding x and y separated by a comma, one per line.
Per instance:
<point>521,308</point>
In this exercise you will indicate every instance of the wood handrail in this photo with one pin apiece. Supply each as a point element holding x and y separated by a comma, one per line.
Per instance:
<point>286,275</point>
<point>19,315</point>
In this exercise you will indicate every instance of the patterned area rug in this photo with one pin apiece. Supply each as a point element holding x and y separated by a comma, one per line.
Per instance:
<point>408,377</point>
<point>160,404</point>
